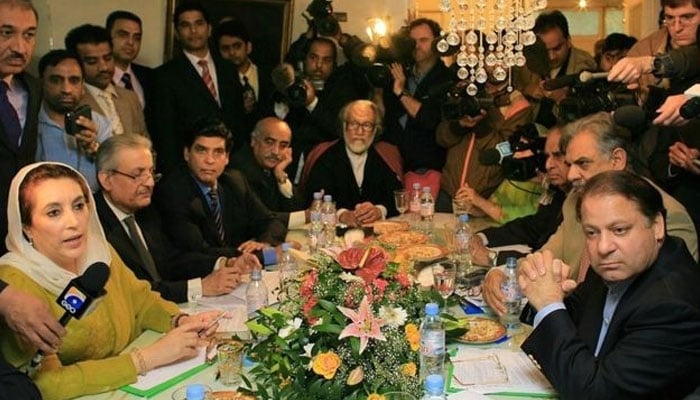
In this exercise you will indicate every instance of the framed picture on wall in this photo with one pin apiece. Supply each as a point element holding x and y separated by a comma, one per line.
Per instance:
<point>269,23</point>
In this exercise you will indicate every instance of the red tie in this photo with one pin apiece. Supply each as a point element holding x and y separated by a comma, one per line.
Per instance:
<point>206,77</point>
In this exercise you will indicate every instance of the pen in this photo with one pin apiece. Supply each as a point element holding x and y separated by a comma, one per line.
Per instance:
<point>211,324</point>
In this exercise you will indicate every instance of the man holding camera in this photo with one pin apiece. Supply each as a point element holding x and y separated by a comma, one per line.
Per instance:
<point>412,105</point>
<point>65,134</point>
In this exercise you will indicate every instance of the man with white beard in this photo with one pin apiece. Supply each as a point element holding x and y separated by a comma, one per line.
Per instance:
<point>360,174</point>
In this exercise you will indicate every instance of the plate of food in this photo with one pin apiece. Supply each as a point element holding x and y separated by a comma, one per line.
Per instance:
<point>482,331</point>
<point>230,395</point>
<point>382,227</point>
<point>421,252</point>
<point>403,238</point>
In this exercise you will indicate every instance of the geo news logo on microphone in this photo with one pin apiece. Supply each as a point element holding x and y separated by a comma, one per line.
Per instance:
<point>72,300</point>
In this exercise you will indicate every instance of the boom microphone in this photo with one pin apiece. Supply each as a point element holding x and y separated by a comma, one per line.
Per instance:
<point>77,297</point>
<point>586,76</point>
<point>630,117</point>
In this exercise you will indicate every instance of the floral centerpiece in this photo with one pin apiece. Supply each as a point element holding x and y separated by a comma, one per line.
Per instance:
<point>341,332</point>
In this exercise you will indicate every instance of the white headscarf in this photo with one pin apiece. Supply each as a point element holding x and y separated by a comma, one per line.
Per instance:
<point>36,265</point>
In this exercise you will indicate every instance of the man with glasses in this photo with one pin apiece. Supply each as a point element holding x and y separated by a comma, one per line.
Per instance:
<point>134,228</point>
<point>360,176</point>
<point>210,210</point>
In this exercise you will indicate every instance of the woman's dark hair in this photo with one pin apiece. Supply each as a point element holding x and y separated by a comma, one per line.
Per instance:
<point>39,174</point>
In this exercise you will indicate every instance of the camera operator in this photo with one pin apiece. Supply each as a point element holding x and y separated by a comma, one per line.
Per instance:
<point>466,138</point>
<point>412,105</point>
<point>312,112</point>
<point>552,29</point>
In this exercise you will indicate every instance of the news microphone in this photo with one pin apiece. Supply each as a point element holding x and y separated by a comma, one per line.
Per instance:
<point>586,76</point>
<point>77,297</point>
<point>495,156</point>
<point>690,109</point>
<point>630,117</point>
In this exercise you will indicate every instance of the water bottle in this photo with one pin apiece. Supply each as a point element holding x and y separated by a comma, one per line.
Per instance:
<point>287,267</point>
<point>432,343</point>
<point>434,388</point>
<point>462,239</point>
<point>511,291</point>
<point>414,203</point>
<point>256,293</point>
<point>427,210</point>
<point>195,392</point>
<point>328,218</point>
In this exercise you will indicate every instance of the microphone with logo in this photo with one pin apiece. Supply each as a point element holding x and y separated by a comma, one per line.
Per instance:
<point>76,298</point>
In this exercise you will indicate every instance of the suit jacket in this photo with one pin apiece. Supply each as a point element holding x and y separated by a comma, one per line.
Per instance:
<point>12,160</point>
<point>532,230</point>
<point>181,97</point>
<point>128,108</point>
<point>144,75</point>
<point>174,265</point>
<point>191,222</point>
<point>651,349</point>
<point>333,173</point>
<point>265,184</point>
<point>568,242</point>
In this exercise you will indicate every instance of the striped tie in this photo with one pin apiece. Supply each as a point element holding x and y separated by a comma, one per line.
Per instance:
<point>216,210</point>
<point>206,77</point>
<point>126,80</point>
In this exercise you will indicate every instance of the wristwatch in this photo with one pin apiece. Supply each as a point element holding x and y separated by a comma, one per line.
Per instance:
<point>403,93</point>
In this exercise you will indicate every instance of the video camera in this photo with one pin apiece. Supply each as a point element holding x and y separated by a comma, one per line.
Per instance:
<point>525,138</point>
<point>590,93</point>
<point>289,84</point>
<point>375,60</point>
<point>459,103</point>
<point>319,15</point>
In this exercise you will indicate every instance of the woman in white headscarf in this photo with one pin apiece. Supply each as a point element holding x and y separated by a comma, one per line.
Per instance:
<point>53,236</point>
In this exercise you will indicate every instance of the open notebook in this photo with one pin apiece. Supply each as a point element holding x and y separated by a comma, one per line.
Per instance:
<point>159,379</point>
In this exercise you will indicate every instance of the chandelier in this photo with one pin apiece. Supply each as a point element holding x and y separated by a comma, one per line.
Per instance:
<point>487,37</point>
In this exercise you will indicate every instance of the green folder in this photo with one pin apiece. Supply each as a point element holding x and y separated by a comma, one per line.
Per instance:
<point>150,392</point>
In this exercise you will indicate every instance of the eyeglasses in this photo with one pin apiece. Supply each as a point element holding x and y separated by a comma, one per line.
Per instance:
<point>366,126</point>
<point>684,19</point>
<point>142,175</point>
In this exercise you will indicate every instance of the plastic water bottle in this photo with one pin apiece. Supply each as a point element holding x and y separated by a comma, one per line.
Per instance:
<point>317,239</point>
<point>328,218</point>
<point>256,293</point>
<point>414,202</point>
<point>511,291</point>
<point>434,388</point>
<point>432,343</point>
<point>195,392</point>
<point>462,239</point>
<point>287,267</point>
<point>427,210</point>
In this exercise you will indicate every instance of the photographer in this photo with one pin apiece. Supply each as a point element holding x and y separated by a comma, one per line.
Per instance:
<point>311,112</point>
<point>61,76</point>
<point>412,105</point>
<point>468,137</point>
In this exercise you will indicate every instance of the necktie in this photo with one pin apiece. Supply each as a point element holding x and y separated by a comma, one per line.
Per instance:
<point>146,257</point>
<point>206,77</point>
<point>117,126</point>
<point>9,118</point>
<point>126,80</point>
<point>216,211</point>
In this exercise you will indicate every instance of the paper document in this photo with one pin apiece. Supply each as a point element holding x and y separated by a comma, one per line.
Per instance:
<point>497,370</point>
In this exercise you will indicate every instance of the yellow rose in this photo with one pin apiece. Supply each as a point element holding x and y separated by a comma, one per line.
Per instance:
<point>409,369</point>
<point>355,376</point>
<point>413,336</point>
<point>326,364</point>
<point>376,396</point>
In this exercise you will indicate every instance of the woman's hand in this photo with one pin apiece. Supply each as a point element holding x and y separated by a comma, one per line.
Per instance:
<point>181,343</point>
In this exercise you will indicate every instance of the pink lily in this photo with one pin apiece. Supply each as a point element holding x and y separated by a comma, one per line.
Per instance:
<point>364,325</point>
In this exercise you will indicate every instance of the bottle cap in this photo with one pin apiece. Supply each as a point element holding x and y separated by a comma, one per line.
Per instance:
<point>434,384</point>
<point>464,218</point>
<point>327,197</point>
<point>195,392</point>
<point>416,186</point>
<point>256,274</point>
<point>511,262</point>
<point>317,195</point>
<point>432,309</point>
<point>286,246</point>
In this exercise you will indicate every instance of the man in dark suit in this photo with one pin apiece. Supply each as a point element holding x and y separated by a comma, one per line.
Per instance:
<point>126,31</point>
<point>354,171</point>
<point>211,210</point>
<point>232,43</point>
<point>194,84</point>
<point>531,230</point>
<point>264,162</point>
<point>630,329</point>
<point>127,178</point>
<point>20,99</point>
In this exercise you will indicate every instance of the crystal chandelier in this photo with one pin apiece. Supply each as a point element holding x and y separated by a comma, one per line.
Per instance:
<point>488,37</point>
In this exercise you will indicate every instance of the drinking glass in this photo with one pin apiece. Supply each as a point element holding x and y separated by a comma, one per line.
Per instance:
<point>401,201</point>
<point>444,275</point>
